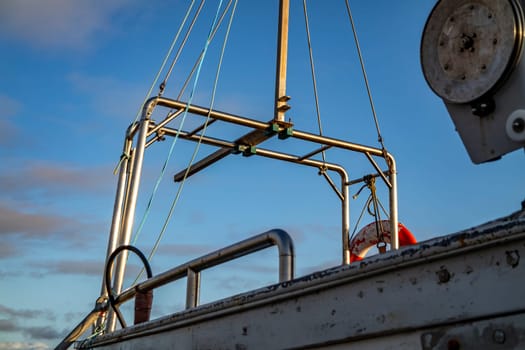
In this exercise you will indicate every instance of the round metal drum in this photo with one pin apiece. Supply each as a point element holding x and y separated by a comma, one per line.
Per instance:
<point>469,47</point>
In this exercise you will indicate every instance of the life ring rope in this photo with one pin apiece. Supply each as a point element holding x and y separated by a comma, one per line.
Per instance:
<point>368,237</point>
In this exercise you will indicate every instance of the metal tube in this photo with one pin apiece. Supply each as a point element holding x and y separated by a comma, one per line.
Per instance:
<point>114,236</point>
<point>337,143</point>
<point>345,183</point>
<point>192,288</point>
<point>251,123</point>
<point>275,237</point>
<point>166,120</point>
<point>345,208</point>
<point>281,99</point>
<point>129,215</point>
<point>394,228</point>
<point>82,326</point>
<point>378,169</point>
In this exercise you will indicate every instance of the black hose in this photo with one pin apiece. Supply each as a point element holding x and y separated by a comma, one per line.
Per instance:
<point>107,276</point>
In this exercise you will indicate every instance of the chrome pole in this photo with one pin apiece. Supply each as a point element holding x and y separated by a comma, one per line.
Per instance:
<point>394,220</point>
<point>114,236</point>
<point>345,225</point>
<point>129,212</point>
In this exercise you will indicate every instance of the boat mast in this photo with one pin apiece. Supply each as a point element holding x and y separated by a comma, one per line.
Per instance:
<point>281,99</point>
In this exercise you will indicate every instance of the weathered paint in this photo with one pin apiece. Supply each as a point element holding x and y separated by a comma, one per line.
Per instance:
<point>461,290</point>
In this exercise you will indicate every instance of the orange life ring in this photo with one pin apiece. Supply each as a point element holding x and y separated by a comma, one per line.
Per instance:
<point>366,238</point>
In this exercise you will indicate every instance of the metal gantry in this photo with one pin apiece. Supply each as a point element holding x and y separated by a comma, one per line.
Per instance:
<point>145,133</point>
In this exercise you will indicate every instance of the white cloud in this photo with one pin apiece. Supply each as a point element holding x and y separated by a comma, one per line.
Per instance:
<point>23,346</point>
<point>52,179</point>
<point>58,23</point>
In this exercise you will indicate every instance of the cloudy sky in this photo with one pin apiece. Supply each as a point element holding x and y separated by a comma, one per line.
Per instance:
<point>74,75</point>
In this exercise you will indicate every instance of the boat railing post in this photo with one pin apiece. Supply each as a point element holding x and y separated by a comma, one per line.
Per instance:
<point>192,288</point>
<point>394,220</point>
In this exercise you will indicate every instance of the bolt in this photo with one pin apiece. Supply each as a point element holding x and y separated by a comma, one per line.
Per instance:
<point>518,125</point>
<point>498,336</point>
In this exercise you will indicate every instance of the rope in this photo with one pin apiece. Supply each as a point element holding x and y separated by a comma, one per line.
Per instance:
<point>379,137</point>
<point>360,217</point>
<point>170,152</point>
<point>166,57</point>
<point>179,191</point>
<point>195,65</point>
<point>194,155</point>
<point>312,69</point>
<point>179,51</point>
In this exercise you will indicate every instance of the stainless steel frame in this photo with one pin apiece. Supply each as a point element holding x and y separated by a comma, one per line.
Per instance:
<point>146,132</point>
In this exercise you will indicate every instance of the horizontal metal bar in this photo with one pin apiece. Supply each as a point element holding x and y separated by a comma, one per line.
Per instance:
<point>255,124</point>
<point>275,237</point>
<point>314,152</point>
<point>260,152</point>
<point>202,164</point>
<point>364,178</point>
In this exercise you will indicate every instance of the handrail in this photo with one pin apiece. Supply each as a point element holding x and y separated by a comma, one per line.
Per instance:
<point>192,269</point>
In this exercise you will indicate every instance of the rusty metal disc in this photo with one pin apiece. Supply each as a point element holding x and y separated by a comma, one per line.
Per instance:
<point>469,47</point>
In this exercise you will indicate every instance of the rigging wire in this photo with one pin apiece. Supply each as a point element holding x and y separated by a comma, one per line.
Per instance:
<point>166,57</point>
<point>179,51</point>
<point>179,191</point>
<point>170,152</point>
<point>312,69</point>
<point>194,155</point>
<point>219,22</point>
<point>379,137</point>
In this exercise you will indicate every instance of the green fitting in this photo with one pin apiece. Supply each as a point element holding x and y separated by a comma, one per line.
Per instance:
<point>249,151</point>
<point>273,129</point>
<point>286,133</point>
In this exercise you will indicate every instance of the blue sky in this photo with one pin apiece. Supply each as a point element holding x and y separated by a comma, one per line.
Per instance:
<point>73,75</point>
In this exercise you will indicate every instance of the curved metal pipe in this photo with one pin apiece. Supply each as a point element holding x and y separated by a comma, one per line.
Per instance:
<point>276,237</point>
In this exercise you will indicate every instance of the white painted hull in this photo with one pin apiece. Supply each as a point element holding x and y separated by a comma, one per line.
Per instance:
<point>464,291</point>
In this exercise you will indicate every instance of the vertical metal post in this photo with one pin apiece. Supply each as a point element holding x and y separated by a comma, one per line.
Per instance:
<point>192,288</point>
<point>281,99</point>
<point>345,226</point>
<point>394,220</point>
<point>129,215</point>
<point>114,235</point>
